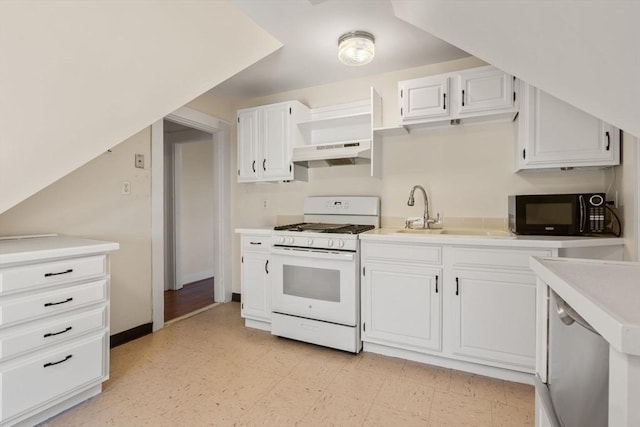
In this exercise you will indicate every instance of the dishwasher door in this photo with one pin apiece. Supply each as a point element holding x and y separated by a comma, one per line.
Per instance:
<point>578,366</point>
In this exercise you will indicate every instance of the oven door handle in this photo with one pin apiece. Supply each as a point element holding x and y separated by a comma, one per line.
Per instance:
<point>338,256</point>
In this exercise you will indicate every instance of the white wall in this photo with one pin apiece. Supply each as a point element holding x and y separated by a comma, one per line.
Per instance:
<point>78,77</point>
<point>584,52</point>
<point>467,170</point>
<point>87,203</point>
<point>627,179</point>
<point>194,209</point>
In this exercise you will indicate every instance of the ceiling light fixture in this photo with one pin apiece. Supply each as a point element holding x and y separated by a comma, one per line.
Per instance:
<point>356,48</point>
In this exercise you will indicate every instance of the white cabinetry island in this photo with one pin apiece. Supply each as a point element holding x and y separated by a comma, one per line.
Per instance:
<point>54,325</point>
<point>463,302</point>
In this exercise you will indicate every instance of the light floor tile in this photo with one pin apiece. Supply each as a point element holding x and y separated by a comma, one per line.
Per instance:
<point>209,370</point>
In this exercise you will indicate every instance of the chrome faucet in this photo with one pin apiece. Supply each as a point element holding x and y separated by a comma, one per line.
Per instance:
<point>411,202</point>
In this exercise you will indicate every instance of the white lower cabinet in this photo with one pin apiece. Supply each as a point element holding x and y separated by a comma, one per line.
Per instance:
<point>54,325</point>
<point>401,305</point>
<point>256,288</point>
<point>493,317</point>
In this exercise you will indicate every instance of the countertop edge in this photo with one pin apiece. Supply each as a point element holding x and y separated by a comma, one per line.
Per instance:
<point>72,247</point>
<point>265,231</point>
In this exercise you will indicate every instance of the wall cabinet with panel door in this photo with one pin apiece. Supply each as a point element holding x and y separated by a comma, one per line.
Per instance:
<point>475,95</point>
<point>266,137</point>
<point>54,325</point>
<point>554,134</point>
<point>402,296</point>
<point>254,279</point>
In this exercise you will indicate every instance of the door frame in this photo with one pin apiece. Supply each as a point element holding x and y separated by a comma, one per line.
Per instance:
<point>220,130</point>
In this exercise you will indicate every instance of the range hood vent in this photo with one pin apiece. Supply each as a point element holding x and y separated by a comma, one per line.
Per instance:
<point>333,154</point>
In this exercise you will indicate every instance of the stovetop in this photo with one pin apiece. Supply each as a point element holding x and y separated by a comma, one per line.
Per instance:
<point>318,227</point>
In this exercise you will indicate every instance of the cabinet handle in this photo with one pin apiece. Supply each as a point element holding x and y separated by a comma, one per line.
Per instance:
<point>70,270</point>
<point>255,243</point>
<point>457,286</point>
<point>51,334</point>
<point>444,101</point>
<point>463,97</point>
<point>69,356</point>
<point>264,162</point>
<point>608,140</point>
<point>49,304</point>
<point>253,166</point>
<point>266,267</point>
<point>436,284</point>
<point>524,153</point>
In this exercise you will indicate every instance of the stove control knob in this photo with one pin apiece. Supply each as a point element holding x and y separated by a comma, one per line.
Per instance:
<point>340,243</point>
<point>309,242</point>
<point>290,240</point>
<point>281,239</point>
<point>329,242</point>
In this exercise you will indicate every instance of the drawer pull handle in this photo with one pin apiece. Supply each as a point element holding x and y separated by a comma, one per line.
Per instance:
<point>70,270</point>
<point>51,334</point>
<point>69,356</point>
<point>49,304</point>
<point>255,243</point>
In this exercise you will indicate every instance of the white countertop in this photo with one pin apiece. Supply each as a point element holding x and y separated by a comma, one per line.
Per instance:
<point>264,231</point>
<point>605,293</point>
<point>489,239</point>
<point>34,248</point>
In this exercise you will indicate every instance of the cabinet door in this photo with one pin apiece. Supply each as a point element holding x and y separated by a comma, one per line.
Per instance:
<point>494,317</point>
<point>424,98</point>
<point>256,290</point>
<point>553,133</point>
<point>276,142</point>
<point>401,306</point>
<point>484,90</point>
<point>248,145</point>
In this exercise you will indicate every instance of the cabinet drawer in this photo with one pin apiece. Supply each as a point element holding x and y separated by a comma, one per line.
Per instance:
<point>18,309</point>
<point>51,331</point>
<point>51,273</point>
<point>501,258</point>
<point>255,242</point>
<point>403,252</point>
<point>44,377</point>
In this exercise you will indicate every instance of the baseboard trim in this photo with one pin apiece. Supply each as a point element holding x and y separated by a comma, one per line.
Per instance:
<point>131,334</point>
<point>235,297</point>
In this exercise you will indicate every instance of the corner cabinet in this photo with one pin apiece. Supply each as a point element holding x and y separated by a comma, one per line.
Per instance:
<point>54,325</point>
<point>553,134</point>
<point>402,296</point>
<point>255,283</point>
<point>266,137</point>
<point>474,95</point>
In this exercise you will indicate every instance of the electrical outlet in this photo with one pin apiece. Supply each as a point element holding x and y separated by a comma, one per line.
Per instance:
<point>265,203</point>
<point>140,161</point>
<point>125,188</point>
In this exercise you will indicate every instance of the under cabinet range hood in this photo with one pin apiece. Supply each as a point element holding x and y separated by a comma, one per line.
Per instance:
<point>333,154</point>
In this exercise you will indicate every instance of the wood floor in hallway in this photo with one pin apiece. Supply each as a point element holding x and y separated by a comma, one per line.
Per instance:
<point>191,297</point>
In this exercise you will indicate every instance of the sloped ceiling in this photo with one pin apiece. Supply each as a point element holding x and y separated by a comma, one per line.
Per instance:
<point>78,77</point>
<point>586,53</point>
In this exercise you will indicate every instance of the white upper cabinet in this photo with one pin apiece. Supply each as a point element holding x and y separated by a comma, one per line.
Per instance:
<point>424,99</point>
<point>485,89</point>
<point>266,136</point>
<point>474,95</point>
<point>554,134</point>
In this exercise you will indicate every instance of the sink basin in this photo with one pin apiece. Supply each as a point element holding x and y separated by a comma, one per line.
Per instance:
<point>478,232</point>
<point>419,231</point>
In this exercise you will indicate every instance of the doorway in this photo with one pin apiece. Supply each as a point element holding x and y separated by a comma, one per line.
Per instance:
<point>162,262</point>
<point>189,213</point>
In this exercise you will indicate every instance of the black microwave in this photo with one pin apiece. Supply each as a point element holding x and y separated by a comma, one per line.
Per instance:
<point>558,214</point>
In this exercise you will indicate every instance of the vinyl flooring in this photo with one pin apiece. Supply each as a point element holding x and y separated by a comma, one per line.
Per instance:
<point>209,370</point>
<point>191,297</point>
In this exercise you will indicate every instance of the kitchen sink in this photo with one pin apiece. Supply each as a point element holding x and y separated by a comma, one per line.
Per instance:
<point>419,231</point>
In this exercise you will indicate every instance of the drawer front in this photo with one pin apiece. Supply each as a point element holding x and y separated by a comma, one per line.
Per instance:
<point>42,378</point>
<point>501,258</point>
<point>51,273</point>
<point>403,252</point>
<point>20,309</point>
<point>51,331</point>
<point>255,242</point>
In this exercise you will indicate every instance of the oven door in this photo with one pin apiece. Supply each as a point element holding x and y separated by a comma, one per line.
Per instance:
<point>315,284</point>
